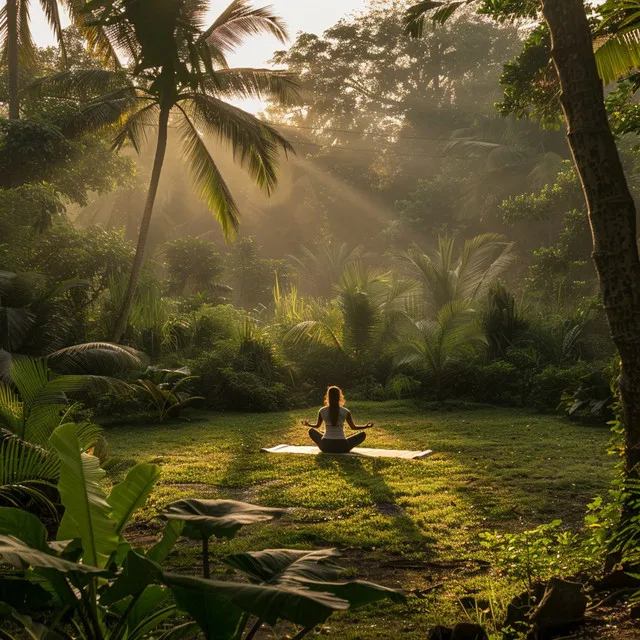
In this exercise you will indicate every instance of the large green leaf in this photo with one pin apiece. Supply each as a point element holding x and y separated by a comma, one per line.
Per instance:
<point>217,606</point>
<point>273,565</point>
<point>220,518</point>
<point>137,573</point>
<point>87,512</point>
<point>15,552</point>
<point>24,526</point>
<point>162,548</point>
<point>309,570</point>
<point>131,494</point>
<point>356,592</point>
<point>36,630</point>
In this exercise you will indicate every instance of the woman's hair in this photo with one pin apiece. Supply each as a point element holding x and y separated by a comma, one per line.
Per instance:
<point>334,400</point>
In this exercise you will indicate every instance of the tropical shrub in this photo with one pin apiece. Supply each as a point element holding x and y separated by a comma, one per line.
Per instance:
<point>592,395</point>
<point>166,390</point>
<point>35,316</point>
<point>433,347</point>
<point>34,401</point>
<point>460,276</point>
<point>549,384</point>
<point>502,321</point>
<point>227,389</point>
<point>496,382</point>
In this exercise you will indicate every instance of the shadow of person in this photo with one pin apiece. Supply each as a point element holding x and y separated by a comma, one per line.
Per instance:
<point>365,475</point>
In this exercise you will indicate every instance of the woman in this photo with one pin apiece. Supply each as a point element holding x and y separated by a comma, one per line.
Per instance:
<point>334,414</point>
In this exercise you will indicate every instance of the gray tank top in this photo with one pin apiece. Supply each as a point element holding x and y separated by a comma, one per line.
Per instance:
<point>334,431</point>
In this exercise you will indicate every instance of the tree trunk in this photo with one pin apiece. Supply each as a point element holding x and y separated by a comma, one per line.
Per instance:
<point>161,148</point>
<point>12,58</point>
<point>612,213</point>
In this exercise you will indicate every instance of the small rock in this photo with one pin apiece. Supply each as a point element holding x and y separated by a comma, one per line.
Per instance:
<point>564,603</point>
<point>520,607</point>
<point>440,633</point>
<point>469,631</point>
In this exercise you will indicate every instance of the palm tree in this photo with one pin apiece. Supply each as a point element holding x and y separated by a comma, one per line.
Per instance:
<point>463,276</point>
<point>323,265</point>
<point>363,318</point>
<point>180,73</point>
<point>15,36</point>
<point>432,345</point>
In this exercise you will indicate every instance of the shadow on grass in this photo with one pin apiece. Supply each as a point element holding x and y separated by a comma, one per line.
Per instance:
<point>366,476</point>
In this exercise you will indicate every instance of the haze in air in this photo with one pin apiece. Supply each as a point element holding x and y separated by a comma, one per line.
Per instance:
<point>319,319</point>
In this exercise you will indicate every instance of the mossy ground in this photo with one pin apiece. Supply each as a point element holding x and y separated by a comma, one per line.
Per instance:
<point>407,524</point>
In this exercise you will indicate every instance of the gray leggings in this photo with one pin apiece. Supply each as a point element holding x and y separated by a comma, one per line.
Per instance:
<point>329,445</point>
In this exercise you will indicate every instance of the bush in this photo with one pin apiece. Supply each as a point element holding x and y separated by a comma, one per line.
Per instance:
<point>498,383</point>
<point>241,377</point>
<point>549,384</point>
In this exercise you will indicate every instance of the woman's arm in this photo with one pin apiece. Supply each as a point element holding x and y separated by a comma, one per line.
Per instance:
<point>356,427</point>
<point>306,423</point>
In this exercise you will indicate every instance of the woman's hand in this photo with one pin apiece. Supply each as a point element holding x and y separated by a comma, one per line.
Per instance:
<point>368,425</point>
<point>305,422</point>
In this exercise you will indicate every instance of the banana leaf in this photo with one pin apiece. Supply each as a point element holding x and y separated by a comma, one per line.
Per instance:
<point>220,518</point>
<point>87,512</point>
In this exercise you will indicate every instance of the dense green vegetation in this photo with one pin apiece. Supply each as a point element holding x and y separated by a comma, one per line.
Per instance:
<point>416,228</point>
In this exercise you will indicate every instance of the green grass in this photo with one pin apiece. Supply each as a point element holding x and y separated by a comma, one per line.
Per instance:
<point>493,469</point>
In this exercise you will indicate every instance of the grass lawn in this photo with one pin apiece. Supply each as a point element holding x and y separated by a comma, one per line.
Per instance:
<point>407,524</point>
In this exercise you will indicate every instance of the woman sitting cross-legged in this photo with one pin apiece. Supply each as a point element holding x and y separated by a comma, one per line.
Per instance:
<point>334,414</point>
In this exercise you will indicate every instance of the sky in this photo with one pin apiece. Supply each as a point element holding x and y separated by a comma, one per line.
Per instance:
<point>301,15</point>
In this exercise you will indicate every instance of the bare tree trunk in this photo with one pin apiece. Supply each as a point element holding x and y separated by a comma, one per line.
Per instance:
<point>612,213</point>
<point>161,148</point>
<point>12,58</point>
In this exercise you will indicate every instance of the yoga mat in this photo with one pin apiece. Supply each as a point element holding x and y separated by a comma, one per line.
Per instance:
<point>358,451</point>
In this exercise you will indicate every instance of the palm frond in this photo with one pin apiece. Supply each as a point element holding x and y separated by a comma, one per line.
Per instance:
<point>314,332</point>
<point>239,20</point>
<point>74,83</point>
<point>27,473</point>
<point>29,376</point>
<point>15,325</point>
<point>52,13</point>
<point>10,409</point>
<point>98,114</point>
<point>207,177</point>
<point>416,16</point>
<point>258,84</point>
<point>136,127</point>
<point>618,55</point>
<point>107,33</point>
<point>255,144</point>
<point>102,358</point>
<point>26,45</point>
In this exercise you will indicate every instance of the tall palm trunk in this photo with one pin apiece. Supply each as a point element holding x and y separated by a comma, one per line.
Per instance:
<point>161,148</point>
<point>12,58</point>
<point>611,208</point>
